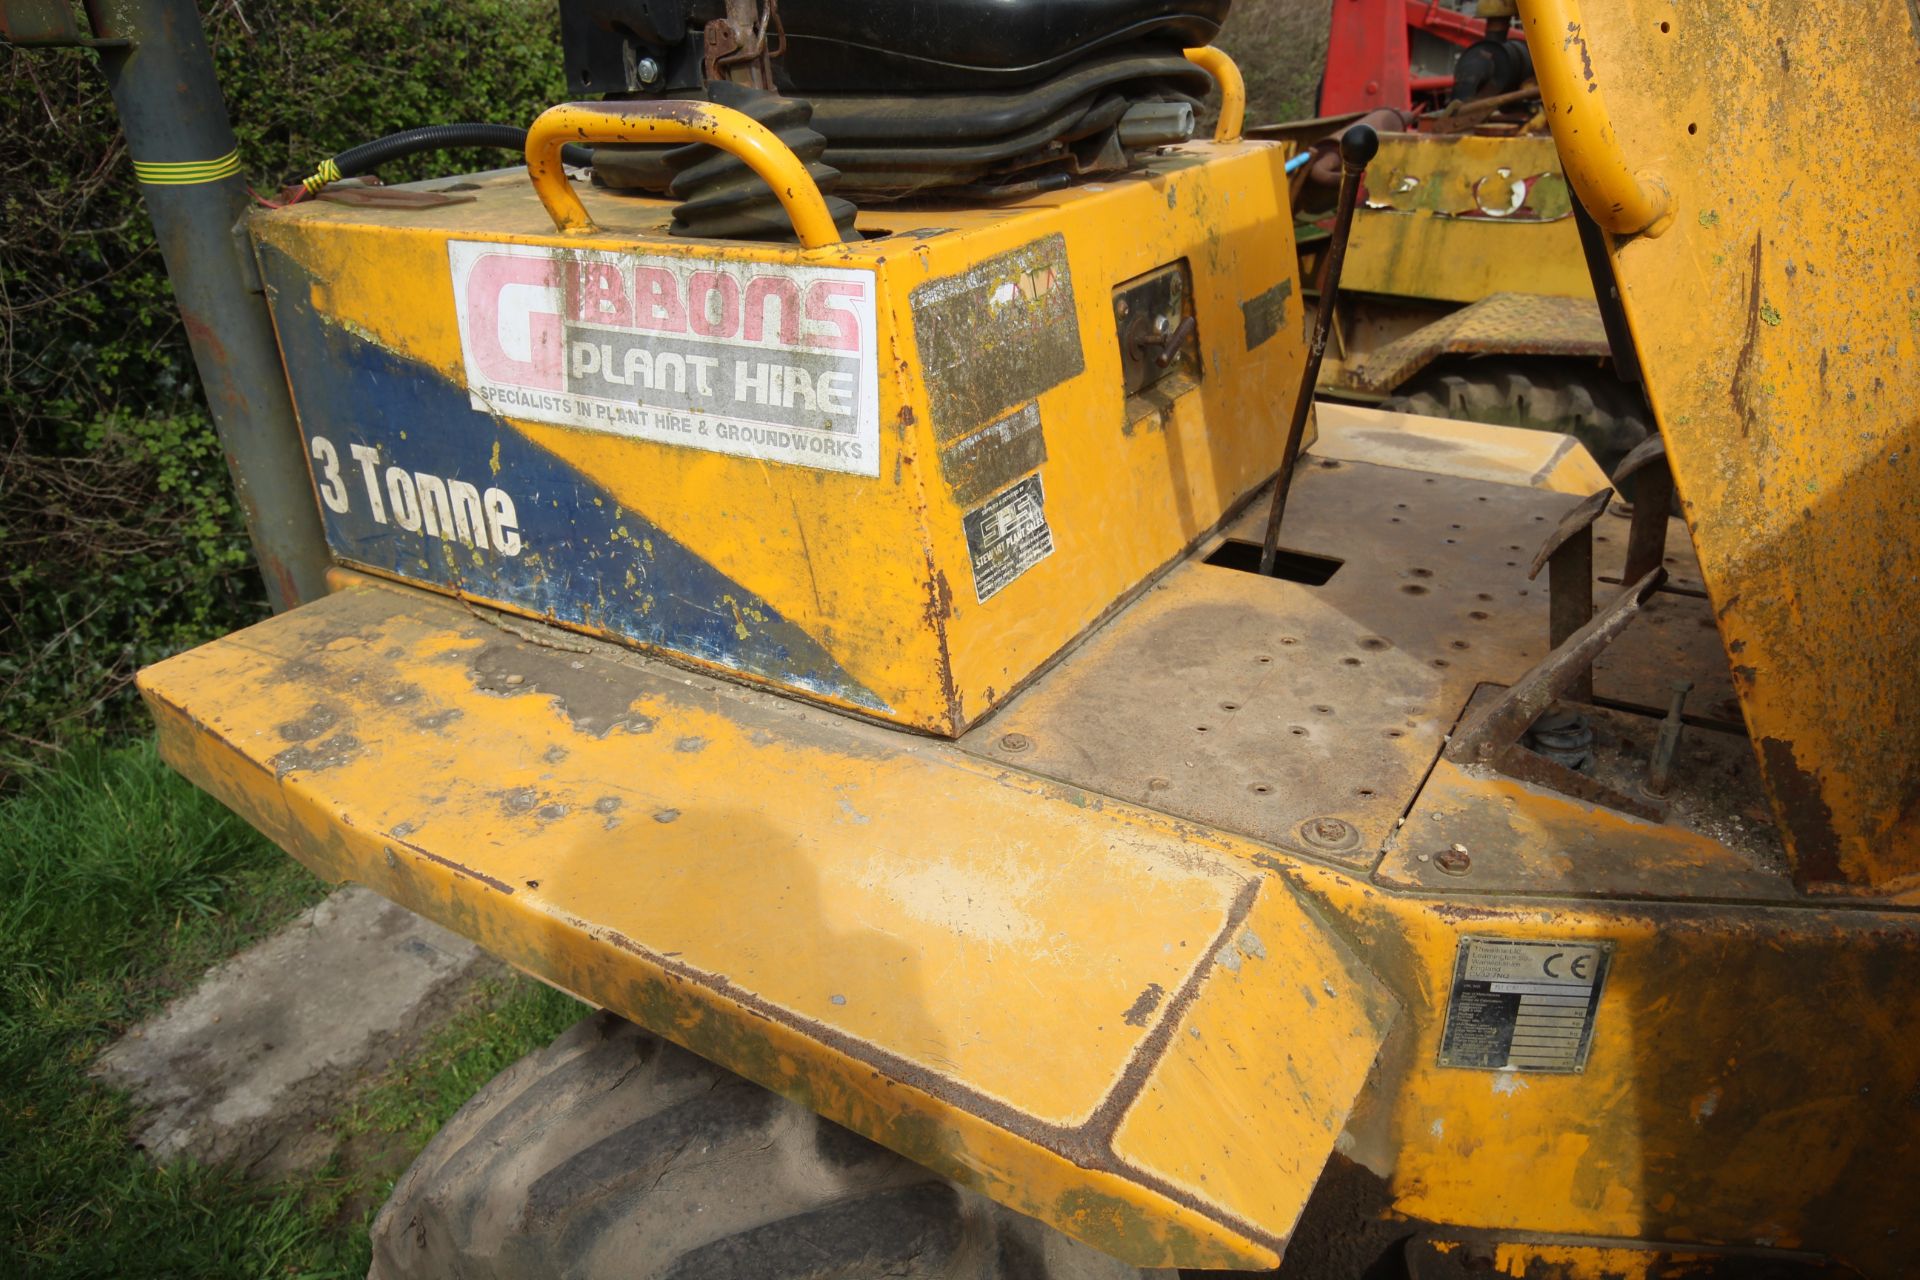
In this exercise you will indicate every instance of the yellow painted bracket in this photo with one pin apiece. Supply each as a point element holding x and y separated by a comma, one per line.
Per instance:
<point>1100,1017</point>
<point>1621,199</point>
<point>1778,329</point>
<point>1233,90</point>
<point>737,134</point>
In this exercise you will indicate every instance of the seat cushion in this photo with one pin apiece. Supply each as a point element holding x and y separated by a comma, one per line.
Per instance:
<point>916,44</point>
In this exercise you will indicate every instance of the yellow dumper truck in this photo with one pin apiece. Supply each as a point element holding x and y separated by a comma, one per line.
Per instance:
<point>790,577</point>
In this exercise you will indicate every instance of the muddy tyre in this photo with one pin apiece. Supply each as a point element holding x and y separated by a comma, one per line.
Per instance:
<point>1582,400</point>
<point>613,1153</point>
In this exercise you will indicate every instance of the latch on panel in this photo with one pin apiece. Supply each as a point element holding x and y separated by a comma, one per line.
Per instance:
<point>1153,318</point>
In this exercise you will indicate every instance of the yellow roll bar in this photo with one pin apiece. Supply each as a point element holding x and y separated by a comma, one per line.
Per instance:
<point>1233,90</point>
<point>735,133</point>
<point>1620,199</point>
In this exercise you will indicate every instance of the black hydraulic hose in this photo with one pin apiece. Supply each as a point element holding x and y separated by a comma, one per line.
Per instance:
<point>369,156</point>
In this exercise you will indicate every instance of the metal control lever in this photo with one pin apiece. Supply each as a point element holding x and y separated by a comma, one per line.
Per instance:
<point>1667,745</point>
<point>1567,556</point>
<point>1645,475</point>
<point>1171,344</point>
<point>1358,145</point>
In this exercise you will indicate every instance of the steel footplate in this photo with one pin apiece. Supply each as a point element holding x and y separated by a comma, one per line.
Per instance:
<point>1104,1018</point>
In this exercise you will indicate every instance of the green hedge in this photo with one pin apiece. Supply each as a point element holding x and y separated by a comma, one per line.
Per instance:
<point>119,539</point>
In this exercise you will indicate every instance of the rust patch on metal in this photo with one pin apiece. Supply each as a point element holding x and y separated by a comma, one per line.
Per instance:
<point>517,800</point>
<point>458,869</point>
<point>593,700</point>
<point>1142,1008</point>
<point>1804,810</point>
<point>399,695</point>
<point>311,725</point>
<point>939,609</point>
<point>1106,1118</point>
<point>327,754</point>
<point>1742,384</point>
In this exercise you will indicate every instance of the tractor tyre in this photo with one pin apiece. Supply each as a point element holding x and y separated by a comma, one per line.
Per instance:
<point>614,1153</point>
<point>1580,399</point>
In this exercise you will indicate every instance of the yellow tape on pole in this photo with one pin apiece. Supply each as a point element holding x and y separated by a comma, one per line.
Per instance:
<point>184,173</point>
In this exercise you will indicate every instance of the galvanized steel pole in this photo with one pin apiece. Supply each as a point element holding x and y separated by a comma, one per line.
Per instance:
<point>187,161</point>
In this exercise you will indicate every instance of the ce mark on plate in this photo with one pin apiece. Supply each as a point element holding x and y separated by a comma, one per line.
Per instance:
<point>1524,1004</point>
<point>1569,964</point>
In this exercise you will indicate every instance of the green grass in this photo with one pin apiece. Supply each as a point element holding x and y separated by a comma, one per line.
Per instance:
<point>415,1097</point>
<point>124,883</point>
<point>395,1115</point>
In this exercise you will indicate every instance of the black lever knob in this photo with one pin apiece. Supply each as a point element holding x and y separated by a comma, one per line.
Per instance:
<point>1358,146</point>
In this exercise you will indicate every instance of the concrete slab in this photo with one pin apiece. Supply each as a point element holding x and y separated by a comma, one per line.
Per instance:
<point>245,1068</point>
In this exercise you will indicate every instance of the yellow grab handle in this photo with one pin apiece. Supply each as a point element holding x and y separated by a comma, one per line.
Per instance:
<point>1621,200</point>
<point>1233,90</point>
<point>735,133</point>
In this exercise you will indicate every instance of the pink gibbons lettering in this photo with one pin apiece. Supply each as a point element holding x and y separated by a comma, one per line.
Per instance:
<point>595,295</point>
<point>511,336</point>
<point>660,307</point>
<point>784,294</point>
<point>730,305</point>
<point>768,360</point>
<point>824,304</point>
<point>713,304</point>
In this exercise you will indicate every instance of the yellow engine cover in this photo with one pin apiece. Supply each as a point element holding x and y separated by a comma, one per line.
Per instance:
<point>896,475</point>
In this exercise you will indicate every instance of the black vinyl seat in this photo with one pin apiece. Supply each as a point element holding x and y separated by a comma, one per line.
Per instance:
<point>890,99</point>
<point>856,46</point>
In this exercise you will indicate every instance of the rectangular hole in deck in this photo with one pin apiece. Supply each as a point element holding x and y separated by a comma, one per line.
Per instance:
<point>1294,566</point>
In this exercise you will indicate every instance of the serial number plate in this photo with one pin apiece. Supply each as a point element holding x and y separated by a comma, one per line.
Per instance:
<point>1523,1005</point>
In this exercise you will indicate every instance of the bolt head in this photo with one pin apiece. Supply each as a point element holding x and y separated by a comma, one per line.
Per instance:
<point>1329,833</point>
<point>1455,860</point>
<point>1016,742</point>
<point>647,69</point>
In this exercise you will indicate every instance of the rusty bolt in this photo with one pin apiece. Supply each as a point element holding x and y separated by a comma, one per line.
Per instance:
<point>1016,742</point>
<point>1329,833</point>
<point>1454,860</point>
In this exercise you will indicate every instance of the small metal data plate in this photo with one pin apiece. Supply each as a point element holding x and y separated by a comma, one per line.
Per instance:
<point>1007,535</point>
<point>1524,1005</point>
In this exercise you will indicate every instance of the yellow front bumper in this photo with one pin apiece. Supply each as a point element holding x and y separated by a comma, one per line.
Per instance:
<point>1096,1014</point>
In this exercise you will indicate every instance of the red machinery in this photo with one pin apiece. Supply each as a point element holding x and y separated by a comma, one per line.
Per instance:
<point>1400,53</point>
